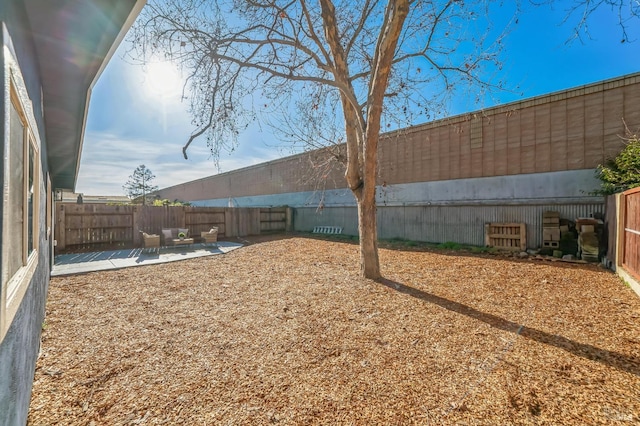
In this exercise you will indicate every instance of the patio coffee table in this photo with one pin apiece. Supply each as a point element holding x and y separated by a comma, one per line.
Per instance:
<point>182,242</point>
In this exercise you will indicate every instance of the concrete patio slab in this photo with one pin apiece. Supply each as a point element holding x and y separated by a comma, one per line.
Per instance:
<point>79,263</point>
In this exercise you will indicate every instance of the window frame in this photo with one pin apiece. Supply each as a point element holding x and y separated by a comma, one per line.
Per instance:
<point>14,287</point>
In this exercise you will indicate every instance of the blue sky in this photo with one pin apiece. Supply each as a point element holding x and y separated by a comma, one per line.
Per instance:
<point>135,119</point>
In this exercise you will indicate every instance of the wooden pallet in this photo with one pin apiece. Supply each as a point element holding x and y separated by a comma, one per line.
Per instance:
<point>506,236</point>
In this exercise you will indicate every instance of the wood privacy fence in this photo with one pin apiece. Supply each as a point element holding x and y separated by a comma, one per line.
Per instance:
<point>631,237</point>
<point>623,230</point>
<point>94,225</point>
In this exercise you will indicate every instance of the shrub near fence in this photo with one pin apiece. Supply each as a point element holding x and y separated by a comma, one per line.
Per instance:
<point>86,226</point>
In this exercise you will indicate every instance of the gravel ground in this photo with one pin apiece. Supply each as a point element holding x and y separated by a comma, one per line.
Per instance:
<point>286,332</point>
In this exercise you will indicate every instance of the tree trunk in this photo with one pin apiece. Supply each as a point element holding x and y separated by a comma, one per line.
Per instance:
<point>367,227</point>
<point>367,219</point>
<point>395,14</point>
<point>363,134</point>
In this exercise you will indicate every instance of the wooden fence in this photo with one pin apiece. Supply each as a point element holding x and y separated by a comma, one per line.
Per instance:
<point>623,246</point>
<point>630,255</point>
<point>95,225</point>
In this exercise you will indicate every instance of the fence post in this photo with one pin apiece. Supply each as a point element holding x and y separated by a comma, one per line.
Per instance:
<point>621,220</point>
<point>135,226</point>
<point>230,228</point>
<point>288,226</point>
<point>62,226</point>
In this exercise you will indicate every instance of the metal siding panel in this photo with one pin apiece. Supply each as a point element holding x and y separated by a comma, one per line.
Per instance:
<point>443,158</point>
<point>454,151</point>
<point>559,126</point>
<point>631,110</point>
<point>305,219</point>
<point>575,134</point>
<point>439,224</point>
<point>613,125</point>
<point>391,222</point>
<point>413,223</point>
<point>543,138</point>
<point>514,153</point>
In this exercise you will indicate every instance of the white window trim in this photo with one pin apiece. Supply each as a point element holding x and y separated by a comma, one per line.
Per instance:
<point>13,289</point>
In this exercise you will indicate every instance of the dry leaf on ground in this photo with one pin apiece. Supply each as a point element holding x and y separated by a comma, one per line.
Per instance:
<point>286,332</point>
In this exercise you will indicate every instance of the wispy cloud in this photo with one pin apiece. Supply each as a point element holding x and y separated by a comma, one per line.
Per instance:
<point>129,125</point>
<point>109,160</point>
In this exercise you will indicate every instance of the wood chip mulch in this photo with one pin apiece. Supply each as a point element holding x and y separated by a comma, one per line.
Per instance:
<point>286,332</point>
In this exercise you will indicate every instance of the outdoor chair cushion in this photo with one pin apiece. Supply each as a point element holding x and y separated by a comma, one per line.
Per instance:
<point>211,236</point>
<point>150,240</point>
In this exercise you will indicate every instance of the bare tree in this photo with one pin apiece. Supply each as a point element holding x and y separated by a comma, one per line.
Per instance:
<point>579,14</point>
<point>354,65</point>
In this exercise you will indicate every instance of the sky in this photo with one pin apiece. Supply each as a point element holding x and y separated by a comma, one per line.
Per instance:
<point>136,115</point>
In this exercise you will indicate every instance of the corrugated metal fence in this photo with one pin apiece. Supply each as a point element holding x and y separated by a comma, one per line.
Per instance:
<point>442,223</point>
<point>94,225</point>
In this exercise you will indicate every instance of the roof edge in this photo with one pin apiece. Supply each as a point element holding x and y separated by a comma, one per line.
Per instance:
<point>133,15</point>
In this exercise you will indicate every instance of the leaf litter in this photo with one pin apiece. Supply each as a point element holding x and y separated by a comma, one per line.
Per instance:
<point>285,331</point>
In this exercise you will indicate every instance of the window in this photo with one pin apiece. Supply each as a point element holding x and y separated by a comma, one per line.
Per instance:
<point>49,206</point>
<point>14,210</point>
<point>21,187</point>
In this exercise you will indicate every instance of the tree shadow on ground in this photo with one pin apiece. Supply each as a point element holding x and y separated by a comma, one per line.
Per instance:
<point>619,361</point>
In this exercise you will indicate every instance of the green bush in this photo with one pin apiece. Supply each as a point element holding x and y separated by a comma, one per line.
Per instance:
<point>165,202</point>
<point>622,172</point>
<point>450,245</point>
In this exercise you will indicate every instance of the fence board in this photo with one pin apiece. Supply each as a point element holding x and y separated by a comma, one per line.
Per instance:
<point>91,225</point>
<point>84,224</point>
<point>611,227</point>
<point>631,248</point>
<point>201,219</point>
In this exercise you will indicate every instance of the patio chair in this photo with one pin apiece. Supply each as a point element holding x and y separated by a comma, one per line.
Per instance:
<point>210,237</point>
<point>150,241</point>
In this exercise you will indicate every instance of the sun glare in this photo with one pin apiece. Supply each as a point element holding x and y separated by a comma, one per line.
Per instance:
<point>162,80</point>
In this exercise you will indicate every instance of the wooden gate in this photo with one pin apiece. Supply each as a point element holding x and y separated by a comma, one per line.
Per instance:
<point>631,245</point>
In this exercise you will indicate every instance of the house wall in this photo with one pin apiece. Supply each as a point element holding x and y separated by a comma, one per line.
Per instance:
<point>20,346</point>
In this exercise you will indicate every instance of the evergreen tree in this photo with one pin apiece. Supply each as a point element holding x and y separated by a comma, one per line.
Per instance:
<point>139,184</point>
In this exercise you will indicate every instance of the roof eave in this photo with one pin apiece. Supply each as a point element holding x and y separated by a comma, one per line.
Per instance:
<point>74,42</point>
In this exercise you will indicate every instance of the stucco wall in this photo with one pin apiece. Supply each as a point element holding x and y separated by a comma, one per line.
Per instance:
<point>19,348</point>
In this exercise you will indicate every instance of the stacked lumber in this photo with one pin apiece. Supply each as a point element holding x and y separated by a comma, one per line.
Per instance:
<point>551,229</point>
<point>588,240</point>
